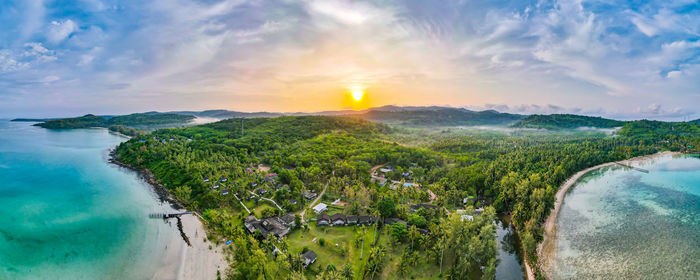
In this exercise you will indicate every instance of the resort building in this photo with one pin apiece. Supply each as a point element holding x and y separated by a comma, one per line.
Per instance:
<point>321,207</point>
<point>308,257</point>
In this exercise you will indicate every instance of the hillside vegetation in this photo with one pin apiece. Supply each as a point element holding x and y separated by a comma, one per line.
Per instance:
<point>566,121</point>
<point>516,176</point>
<point>139,119</point>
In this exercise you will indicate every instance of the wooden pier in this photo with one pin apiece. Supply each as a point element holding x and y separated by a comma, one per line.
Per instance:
<point>168,215</point>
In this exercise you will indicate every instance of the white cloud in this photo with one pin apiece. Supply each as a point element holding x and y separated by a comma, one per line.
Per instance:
<point>59,31</point>
<point>342,11</point>
<point>49,79</point>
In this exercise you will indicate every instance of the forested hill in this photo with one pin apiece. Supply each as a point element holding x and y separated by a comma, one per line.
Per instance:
<point>650,130</point>
<point>259,134</point>
<point>438,116</point>
<point>696,122</point>
<point>139,119</point>
<point>566,121</point>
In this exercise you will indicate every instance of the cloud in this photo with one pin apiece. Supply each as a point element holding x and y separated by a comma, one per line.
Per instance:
<point>585,57</point>
<point>59,31</point>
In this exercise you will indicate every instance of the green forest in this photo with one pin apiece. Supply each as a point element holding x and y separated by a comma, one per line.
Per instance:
<point>132,120</point>
<point>566,121</point>
<point>480,176</point>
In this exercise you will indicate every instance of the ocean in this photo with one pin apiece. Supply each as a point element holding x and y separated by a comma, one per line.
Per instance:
<point>66,213</point>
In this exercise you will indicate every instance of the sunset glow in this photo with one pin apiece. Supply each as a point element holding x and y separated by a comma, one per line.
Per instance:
<point>357,94</point>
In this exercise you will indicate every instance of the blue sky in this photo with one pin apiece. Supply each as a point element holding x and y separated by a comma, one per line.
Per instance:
<point>623,59</point>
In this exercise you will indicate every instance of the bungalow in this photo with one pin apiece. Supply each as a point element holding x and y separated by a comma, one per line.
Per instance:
<point>215,186</point>
<point>309,195</point>
<point>415,207</point>
<point>385,170</point>
<point>275,226</point>
<point>321,207</point>
<point>352,219</point>
<point>261,191</point>
<point>366,220</point>
<point>293,201</point>
<point>323,220</point>
<point>390,221</point>
<point>338,219</point>
<point>206,180</point>
<point>224,192</point>
<point>223,179</point>
<point>308,257</point>
<point>288,220</point>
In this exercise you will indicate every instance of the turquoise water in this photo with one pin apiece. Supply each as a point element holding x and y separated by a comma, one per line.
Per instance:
<point>619,223</point>
<point>65,213</point>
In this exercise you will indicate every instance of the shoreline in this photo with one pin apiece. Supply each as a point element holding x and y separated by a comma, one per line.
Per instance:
<point>546,250</point>
<point>202,259</point>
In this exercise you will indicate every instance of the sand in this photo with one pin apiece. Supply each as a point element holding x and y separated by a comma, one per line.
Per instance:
<point>547,249</point>
<point>184,262</point>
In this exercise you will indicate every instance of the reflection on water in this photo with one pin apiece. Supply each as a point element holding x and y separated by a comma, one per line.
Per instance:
<point>509,262</point>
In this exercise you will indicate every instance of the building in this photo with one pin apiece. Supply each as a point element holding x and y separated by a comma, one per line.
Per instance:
<point>288,219</point>
<point>366,220</point>
<point>390,221</point>
<point>338,219</point>
<point>224,192</point>
<point>275,226</point>
<point>352,220</point>
<point>321,207</point>
<point>309,195</point>
<point>415,207</point>
<point>323,220</point>
<point>223,179</point>
<point>308,257</point>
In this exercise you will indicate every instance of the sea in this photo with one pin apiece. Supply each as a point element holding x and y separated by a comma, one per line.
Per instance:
<point>67,213</point>
<point>623,223</point>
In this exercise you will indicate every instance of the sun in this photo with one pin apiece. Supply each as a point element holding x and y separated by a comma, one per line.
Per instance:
<point>357,94</point>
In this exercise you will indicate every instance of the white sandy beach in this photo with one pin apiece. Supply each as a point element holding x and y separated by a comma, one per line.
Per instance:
<point>184,262</point>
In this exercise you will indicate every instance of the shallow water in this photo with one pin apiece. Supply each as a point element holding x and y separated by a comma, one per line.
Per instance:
<point>619,223</point>
<point>67,214</point>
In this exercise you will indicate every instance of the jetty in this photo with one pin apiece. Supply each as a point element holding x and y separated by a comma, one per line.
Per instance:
<point>632,167</point>
<point>168,215</point>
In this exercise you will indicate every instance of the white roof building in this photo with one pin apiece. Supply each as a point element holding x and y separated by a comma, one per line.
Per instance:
<point>320,207</point>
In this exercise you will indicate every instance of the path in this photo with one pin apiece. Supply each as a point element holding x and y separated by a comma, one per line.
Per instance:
<point>270,200</point>
<point>241,202</point>
<point>317,198</point>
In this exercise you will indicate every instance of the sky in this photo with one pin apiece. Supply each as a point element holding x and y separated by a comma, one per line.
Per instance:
<point>621,59</point>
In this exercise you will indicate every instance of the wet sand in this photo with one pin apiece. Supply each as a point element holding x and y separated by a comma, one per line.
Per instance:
<point>181,261</point>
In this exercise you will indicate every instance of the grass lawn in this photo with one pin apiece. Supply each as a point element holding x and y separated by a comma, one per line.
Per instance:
<point>260,207</point>
<point>345,237</point>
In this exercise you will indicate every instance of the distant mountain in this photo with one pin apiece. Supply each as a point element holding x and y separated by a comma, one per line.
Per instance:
<point>226,114</point>
<point>436,116</point>
<point>696,122</point>
<point>132,120</point>
<point>566,121</point>
<point>409,115</point>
